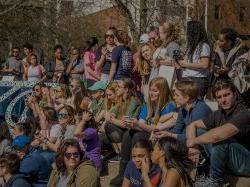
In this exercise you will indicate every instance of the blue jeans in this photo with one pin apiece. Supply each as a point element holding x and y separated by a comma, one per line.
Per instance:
<point>227,157</point>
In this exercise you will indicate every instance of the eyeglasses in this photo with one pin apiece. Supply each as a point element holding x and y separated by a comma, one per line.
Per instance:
<point>15,51</point>
<point>61,115</point>
<point>109,36</point>
<point>70,155</point>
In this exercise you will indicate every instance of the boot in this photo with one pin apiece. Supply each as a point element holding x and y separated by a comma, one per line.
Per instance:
<point>117,181</point>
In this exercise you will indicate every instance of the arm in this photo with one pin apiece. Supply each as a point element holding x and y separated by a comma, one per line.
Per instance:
<point>172,178</point>
<point>87,66</point>
<point>86,116</point>
<point>142,125</point>
<point>112,71</point>
<point>217,134</point>
<point>203,64</point>
<point>79,129</point>
<point>191,129</point>
<point>167,121</point>
<point>126,182</point>
<point>100,62</point>
<point>69,68</point>
<point>91,72</point>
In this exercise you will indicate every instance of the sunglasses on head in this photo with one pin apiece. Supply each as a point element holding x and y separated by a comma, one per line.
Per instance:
<point>70,155</point>
<point>109,36</point>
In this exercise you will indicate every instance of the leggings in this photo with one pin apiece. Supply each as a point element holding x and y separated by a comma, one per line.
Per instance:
<point>114,133</point>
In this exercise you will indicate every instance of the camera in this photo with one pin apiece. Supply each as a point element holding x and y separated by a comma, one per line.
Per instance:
<point>178,55</point>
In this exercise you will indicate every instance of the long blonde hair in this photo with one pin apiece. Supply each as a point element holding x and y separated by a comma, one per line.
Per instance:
<point>173,32</point>
<point>165,95</point>
<point>108,103</point>
<point>143,66</point>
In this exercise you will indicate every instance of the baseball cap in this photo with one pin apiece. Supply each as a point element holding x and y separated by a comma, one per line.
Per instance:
<point>21,141</point>
<point>144,38</point>
<point>100,85</point>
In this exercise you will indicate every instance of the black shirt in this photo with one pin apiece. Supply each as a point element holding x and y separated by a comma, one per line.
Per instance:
<point>238,116</point>
<point>107,63</point>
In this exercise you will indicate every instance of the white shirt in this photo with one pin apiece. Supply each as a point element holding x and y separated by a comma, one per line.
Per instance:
<point>204,52</point>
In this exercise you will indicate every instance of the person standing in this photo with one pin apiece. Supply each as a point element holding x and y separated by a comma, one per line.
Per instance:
<point>13,64</point>
<point>122,58</point>
<point>196,63</point>
<point>75,69</point>
<point>104,54</point>
<point>55,69</point>
<point>92,73</point>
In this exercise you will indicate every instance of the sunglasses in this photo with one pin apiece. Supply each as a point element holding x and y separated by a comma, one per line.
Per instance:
<point>57,90</point>
<point>61,115</point>
<point>109,36</point>
<point>70,155</point>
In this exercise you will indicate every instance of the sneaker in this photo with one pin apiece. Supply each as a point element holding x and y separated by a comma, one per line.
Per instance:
<point>117,181</point>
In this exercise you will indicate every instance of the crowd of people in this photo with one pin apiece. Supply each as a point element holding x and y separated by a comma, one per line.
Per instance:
<point>145,107</point>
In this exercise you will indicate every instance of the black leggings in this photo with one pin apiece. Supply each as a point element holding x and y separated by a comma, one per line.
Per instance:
<point>114,133</point>
<point>129,138</point>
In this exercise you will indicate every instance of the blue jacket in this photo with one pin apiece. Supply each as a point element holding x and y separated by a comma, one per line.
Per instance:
<point>36,169</point>
<point>199,111</point>
<point>18,180</point>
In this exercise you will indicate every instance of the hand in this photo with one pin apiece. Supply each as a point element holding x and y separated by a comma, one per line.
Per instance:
<point>145,167</point>
<point>160,126</point>
<point>177,65</point>
<point>124,124</point>
<point>132,123</point>
<point>104,51</point>
<point>191,143</point>
<point>30,99</point>
<point>161,134</point>
<point>194,154</point>
<point>152,137</point>
<point>86,116</point>
<point>107,117</point>
<point>156,63</point>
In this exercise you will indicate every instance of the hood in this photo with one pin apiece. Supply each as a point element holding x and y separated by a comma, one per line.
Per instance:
<point>237,46</point>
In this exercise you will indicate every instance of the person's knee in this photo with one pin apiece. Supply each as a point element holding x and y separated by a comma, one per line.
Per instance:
<point>218,150</point>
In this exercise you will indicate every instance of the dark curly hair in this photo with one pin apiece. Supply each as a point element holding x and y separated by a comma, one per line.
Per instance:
<point>59,160</point>
<point>176,156</point>
<point>4,132</point>
<point>12,163</point>
<point>196,36</point>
